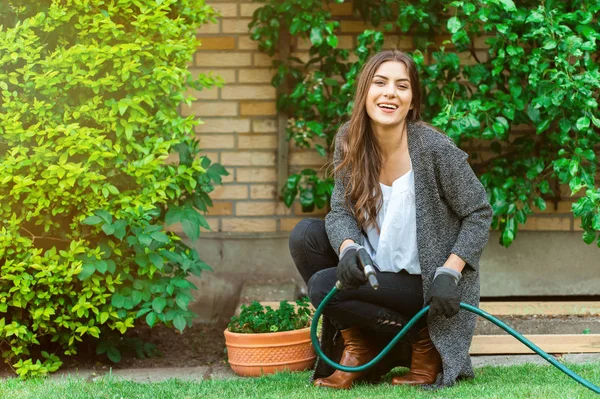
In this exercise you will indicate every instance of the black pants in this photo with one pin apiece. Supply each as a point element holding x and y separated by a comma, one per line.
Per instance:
<point>399,297</point>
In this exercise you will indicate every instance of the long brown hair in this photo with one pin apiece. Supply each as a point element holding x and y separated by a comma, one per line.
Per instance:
<point>361,155</point>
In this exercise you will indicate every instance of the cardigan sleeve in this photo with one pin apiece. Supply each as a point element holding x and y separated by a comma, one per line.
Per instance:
<point>340,223</point>
<point>467,197</point>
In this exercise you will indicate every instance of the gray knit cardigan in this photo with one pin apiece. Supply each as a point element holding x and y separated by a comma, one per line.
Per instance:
<point>453,216</point>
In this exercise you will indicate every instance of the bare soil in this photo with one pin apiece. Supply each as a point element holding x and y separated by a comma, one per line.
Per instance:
<point>201,345</point>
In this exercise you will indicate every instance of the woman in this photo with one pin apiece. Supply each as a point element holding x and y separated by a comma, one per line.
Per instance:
<point>405,193</point>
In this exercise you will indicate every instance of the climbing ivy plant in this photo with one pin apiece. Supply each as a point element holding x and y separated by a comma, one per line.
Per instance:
<point>541,71</point>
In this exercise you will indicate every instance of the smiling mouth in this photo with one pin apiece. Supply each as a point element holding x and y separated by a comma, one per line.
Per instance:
<point>390,107</point>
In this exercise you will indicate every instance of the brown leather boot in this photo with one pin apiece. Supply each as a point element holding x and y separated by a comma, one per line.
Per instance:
<point>357,352</point>
<point>425,363</point>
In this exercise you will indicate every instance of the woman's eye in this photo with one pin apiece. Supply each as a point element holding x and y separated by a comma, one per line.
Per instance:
<point>403,87</point>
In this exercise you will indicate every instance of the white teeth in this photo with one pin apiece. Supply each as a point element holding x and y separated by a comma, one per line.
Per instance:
<point>388,106</point>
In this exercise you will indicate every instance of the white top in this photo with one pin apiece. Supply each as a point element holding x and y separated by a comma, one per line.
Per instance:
<point>395,248</point>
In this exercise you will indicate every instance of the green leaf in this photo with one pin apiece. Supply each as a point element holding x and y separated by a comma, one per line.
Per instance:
<point>179,322</point>
<point>92,220</point>
<point>158,304</point>
<point>113,354</point>
<point>104,215</point>
<point>508,5</point>
<point>182,301</point>
<point>174,215</point>
<point>160,237</point>
<point>101,266</point>
<point>117,300</point>
<point>583,123</point>
<point>332,41</point>
<point>156,260</point>
<point>454,24</point>
<point>321,150</point>
<point>151,319</point>
<point>87,270</point>
<point>316,36</point>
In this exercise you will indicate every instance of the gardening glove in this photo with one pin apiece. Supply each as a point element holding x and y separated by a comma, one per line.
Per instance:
<point>349,270</point>
<point>443,297</point>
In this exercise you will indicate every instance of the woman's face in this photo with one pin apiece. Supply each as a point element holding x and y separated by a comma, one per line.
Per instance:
<point>390,96</point>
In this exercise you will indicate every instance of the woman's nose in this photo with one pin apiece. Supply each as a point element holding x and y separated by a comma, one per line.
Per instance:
<point>390,91</point>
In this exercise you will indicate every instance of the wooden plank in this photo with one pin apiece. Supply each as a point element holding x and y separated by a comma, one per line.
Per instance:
<point>541,308</point>
<point>559,343</point>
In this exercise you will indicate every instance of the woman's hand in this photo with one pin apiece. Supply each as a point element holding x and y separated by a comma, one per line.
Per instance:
<point>443,297</point>
<point>349,271</point>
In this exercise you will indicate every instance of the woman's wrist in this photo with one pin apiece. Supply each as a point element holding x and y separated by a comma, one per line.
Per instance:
<point>345,243</point>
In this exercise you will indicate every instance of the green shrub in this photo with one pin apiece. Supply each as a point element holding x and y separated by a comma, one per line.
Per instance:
<point>541,71</point>
<point>88,116</point>
<point>255,318</point>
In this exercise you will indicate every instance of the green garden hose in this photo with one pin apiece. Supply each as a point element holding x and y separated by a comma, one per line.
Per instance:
<point>408,326</point>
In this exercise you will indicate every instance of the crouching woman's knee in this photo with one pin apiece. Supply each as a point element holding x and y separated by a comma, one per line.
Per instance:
<point>303,231</point>
<point>319,286</point>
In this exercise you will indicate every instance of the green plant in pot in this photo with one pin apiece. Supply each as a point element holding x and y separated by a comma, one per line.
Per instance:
<point>263,340</point>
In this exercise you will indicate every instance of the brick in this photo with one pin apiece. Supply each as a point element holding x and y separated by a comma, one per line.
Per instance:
<point>288,224</point>
<point>256,175</point>
<point>248,225</point>
<point>206,94</point>
<point>354,26</point>
<point>263,191</point>
<point>577,224</point>
<point>230,178</point>
<point>344,9</point>
<point>220,209</point>
<point>565,192</point>
<point>248,92</point>
<point>210,108</point>
<point>228,192</point>
<point>261,208</point>
<point>307,158</point>
<point>213,156</point>
<point>212,222</point>
<point>317,140</point>
<point>226,9</point>
<point>304,56</point>
<point>212,141</point>
<point>554,223</point>
<point>237,25</point>
<point>255,75</point>
<point>209,28</point>
<point>563,207</point>
<point>264,126</point>
<point>257,141</point>
<point>264,59</point>
<point>248,158</point>
<point>247,10</point>
<point>223,59</point>
<point>344,41</point>
<point>468,59</point>
<point>245,43</point>
<point>217,43</point>
<point>228,75</point>
<point>479,42</point>
<point>297,207</point>
<point>258,108</point>
<point>397,42</point>
<point>224,125</point>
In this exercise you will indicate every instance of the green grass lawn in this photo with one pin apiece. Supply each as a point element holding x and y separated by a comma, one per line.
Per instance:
<point>525,381</point>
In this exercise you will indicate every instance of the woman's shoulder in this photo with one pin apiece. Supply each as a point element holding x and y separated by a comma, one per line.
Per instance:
<point>431,137</point>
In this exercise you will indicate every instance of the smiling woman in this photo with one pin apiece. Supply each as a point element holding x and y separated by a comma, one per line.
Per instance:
<point>405,194</point>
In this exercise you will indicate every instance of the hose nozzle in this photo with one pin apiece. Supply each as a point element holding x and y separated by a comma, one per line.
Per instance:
<point>367,264</point>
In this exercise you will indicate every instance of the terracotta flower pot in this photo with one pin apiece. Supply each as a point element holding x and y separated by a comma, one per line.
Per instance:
<point>252,355</point>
